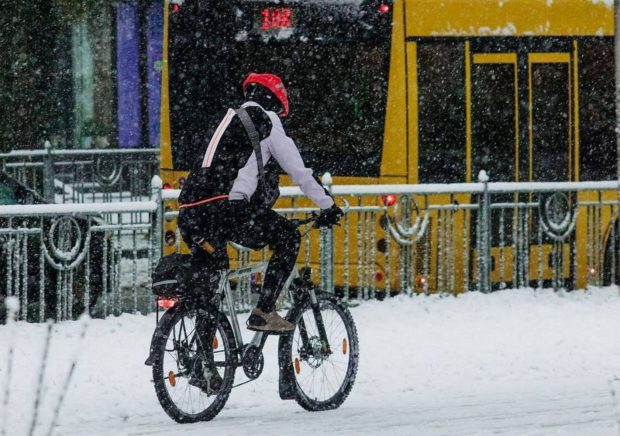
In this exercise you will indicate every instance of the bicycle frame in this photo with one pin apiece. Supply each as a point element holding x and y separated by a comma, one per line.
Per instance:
<point>224,287</point>
<point>287,383</point>
<point>259,338</point>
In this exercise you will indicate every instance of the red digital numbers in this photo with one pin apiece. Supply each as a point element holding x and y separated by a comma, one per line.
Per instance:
<point>276,18</point>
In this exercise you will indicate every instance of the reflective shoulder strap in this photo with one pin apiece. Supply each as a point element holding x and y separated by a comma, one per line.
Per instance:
<point>254,138</point>
<point>215,140</point>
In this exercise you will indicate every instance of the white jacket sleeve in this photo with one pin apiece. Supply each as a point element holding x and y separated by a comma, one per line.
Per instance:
<point>246,182</point>
<point>285,152</point>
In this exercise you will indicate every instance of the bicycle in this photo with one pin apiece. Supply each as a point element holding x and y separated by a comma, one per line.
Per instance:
<point>323,349</point>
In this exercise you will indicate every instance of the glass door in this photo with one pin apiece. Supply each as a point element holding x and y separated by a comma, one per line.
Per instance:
<point>550,117</point>
<point>495,116</point>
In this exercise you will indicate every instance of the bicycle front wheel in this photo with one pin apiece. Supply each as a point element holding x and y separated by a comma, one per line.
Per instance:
<point>191,347</point>
<point>324,359</point>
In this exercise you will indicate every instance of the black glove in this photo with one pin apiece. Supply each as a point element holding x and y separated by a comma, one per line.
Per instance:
<point>329,217</point>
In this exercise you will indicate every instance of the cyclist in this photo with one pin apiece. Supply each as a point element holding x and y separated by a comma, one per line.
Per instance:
<point>220,201</point>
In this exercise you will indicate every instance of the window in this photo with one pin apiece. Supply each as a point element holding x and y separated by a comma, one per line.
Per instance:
<point>550,122</point>
<point>493,121</point>
<point>597,154</point>
<point>441,87</point>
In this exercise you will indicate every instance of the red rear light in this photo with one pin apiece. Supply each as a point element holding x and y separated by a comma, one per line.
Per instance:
<point>384,9</point>
<point>175,8</point>
<point>379,276</point>
<point>167,303</point>
<point>389,199</point>
<point>167,186</point>
<point>421,280</point>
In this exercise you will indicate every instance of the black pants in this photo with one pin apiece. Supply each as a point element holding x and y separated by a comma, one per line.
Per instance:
<point>222,221</point>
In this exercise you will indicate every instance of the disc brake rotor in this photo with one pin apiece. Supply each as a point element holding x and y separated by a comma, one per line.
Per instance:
<point>312,352</point>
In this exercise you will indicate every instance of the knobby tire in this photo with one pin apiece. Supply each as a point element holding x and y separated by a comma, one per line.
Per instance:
<point>225,332</point>
<point>288,343</point>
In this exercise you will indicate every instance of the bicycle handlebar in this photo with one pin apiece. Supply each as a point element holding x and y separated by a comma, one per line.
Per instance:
<point>314,216</point>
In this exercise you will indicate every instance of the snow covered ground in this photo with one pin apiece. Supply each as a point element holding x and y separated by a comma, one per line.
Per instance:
<point>516,362</point>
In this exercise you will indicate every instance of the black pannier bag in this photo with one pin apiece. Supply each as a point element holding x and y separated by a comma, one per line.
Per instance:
<point>181,274</point>
<point>169,274</point>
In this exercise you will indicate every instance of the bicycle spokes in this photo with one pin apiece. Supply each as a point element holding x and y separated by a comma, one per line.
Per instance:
<point>320,372</point>
<point>190,366</point>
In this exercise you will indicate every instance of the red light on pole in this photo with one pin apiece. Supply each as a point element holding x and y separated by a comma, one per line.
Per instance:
<point>384,9</point>
<point>175,8</point>
<point>389,199</point>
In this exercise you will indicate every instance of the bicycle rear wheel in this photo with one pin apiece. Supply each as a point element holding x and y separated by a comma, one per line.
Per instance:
<point>183,357</point>
<point>324,375</point>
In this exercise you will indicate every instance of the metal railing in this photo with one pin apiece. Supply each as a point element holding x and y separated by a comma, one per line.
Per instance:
<point>84,176</point>
<point>60,260</point>
<point>456,238</point>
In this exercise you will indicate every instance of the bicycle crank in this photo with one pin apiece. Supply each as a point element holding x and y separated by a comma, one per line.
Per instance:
<point>253,362</point>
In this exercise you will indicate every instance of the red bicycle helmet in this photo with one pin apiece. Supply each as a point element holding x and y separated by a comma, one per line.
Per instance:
<point>274,84</point>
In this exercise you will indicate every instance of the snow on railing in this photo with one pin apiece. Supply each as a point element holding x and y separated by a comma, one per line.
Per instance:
<point>77,209</point>
<point>437,188</point>
<point>79,152</point>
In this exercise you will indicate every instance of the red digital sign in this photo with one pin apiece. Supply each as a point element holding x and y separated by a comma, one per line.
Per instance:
<point>276,18</point>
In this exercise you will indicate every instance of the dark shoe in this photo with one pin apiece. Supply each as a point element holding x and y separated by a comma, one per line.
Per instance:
<point>271,323</point>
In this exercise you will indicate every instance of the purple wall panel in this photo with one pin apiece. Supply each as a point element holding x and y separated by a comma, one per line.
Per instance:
<point>155,37</point>
<point>128,67</point>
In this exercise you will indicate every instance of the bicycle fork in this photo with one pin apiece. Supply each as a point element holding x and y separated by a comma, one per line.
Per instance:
<point>318,318</point>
